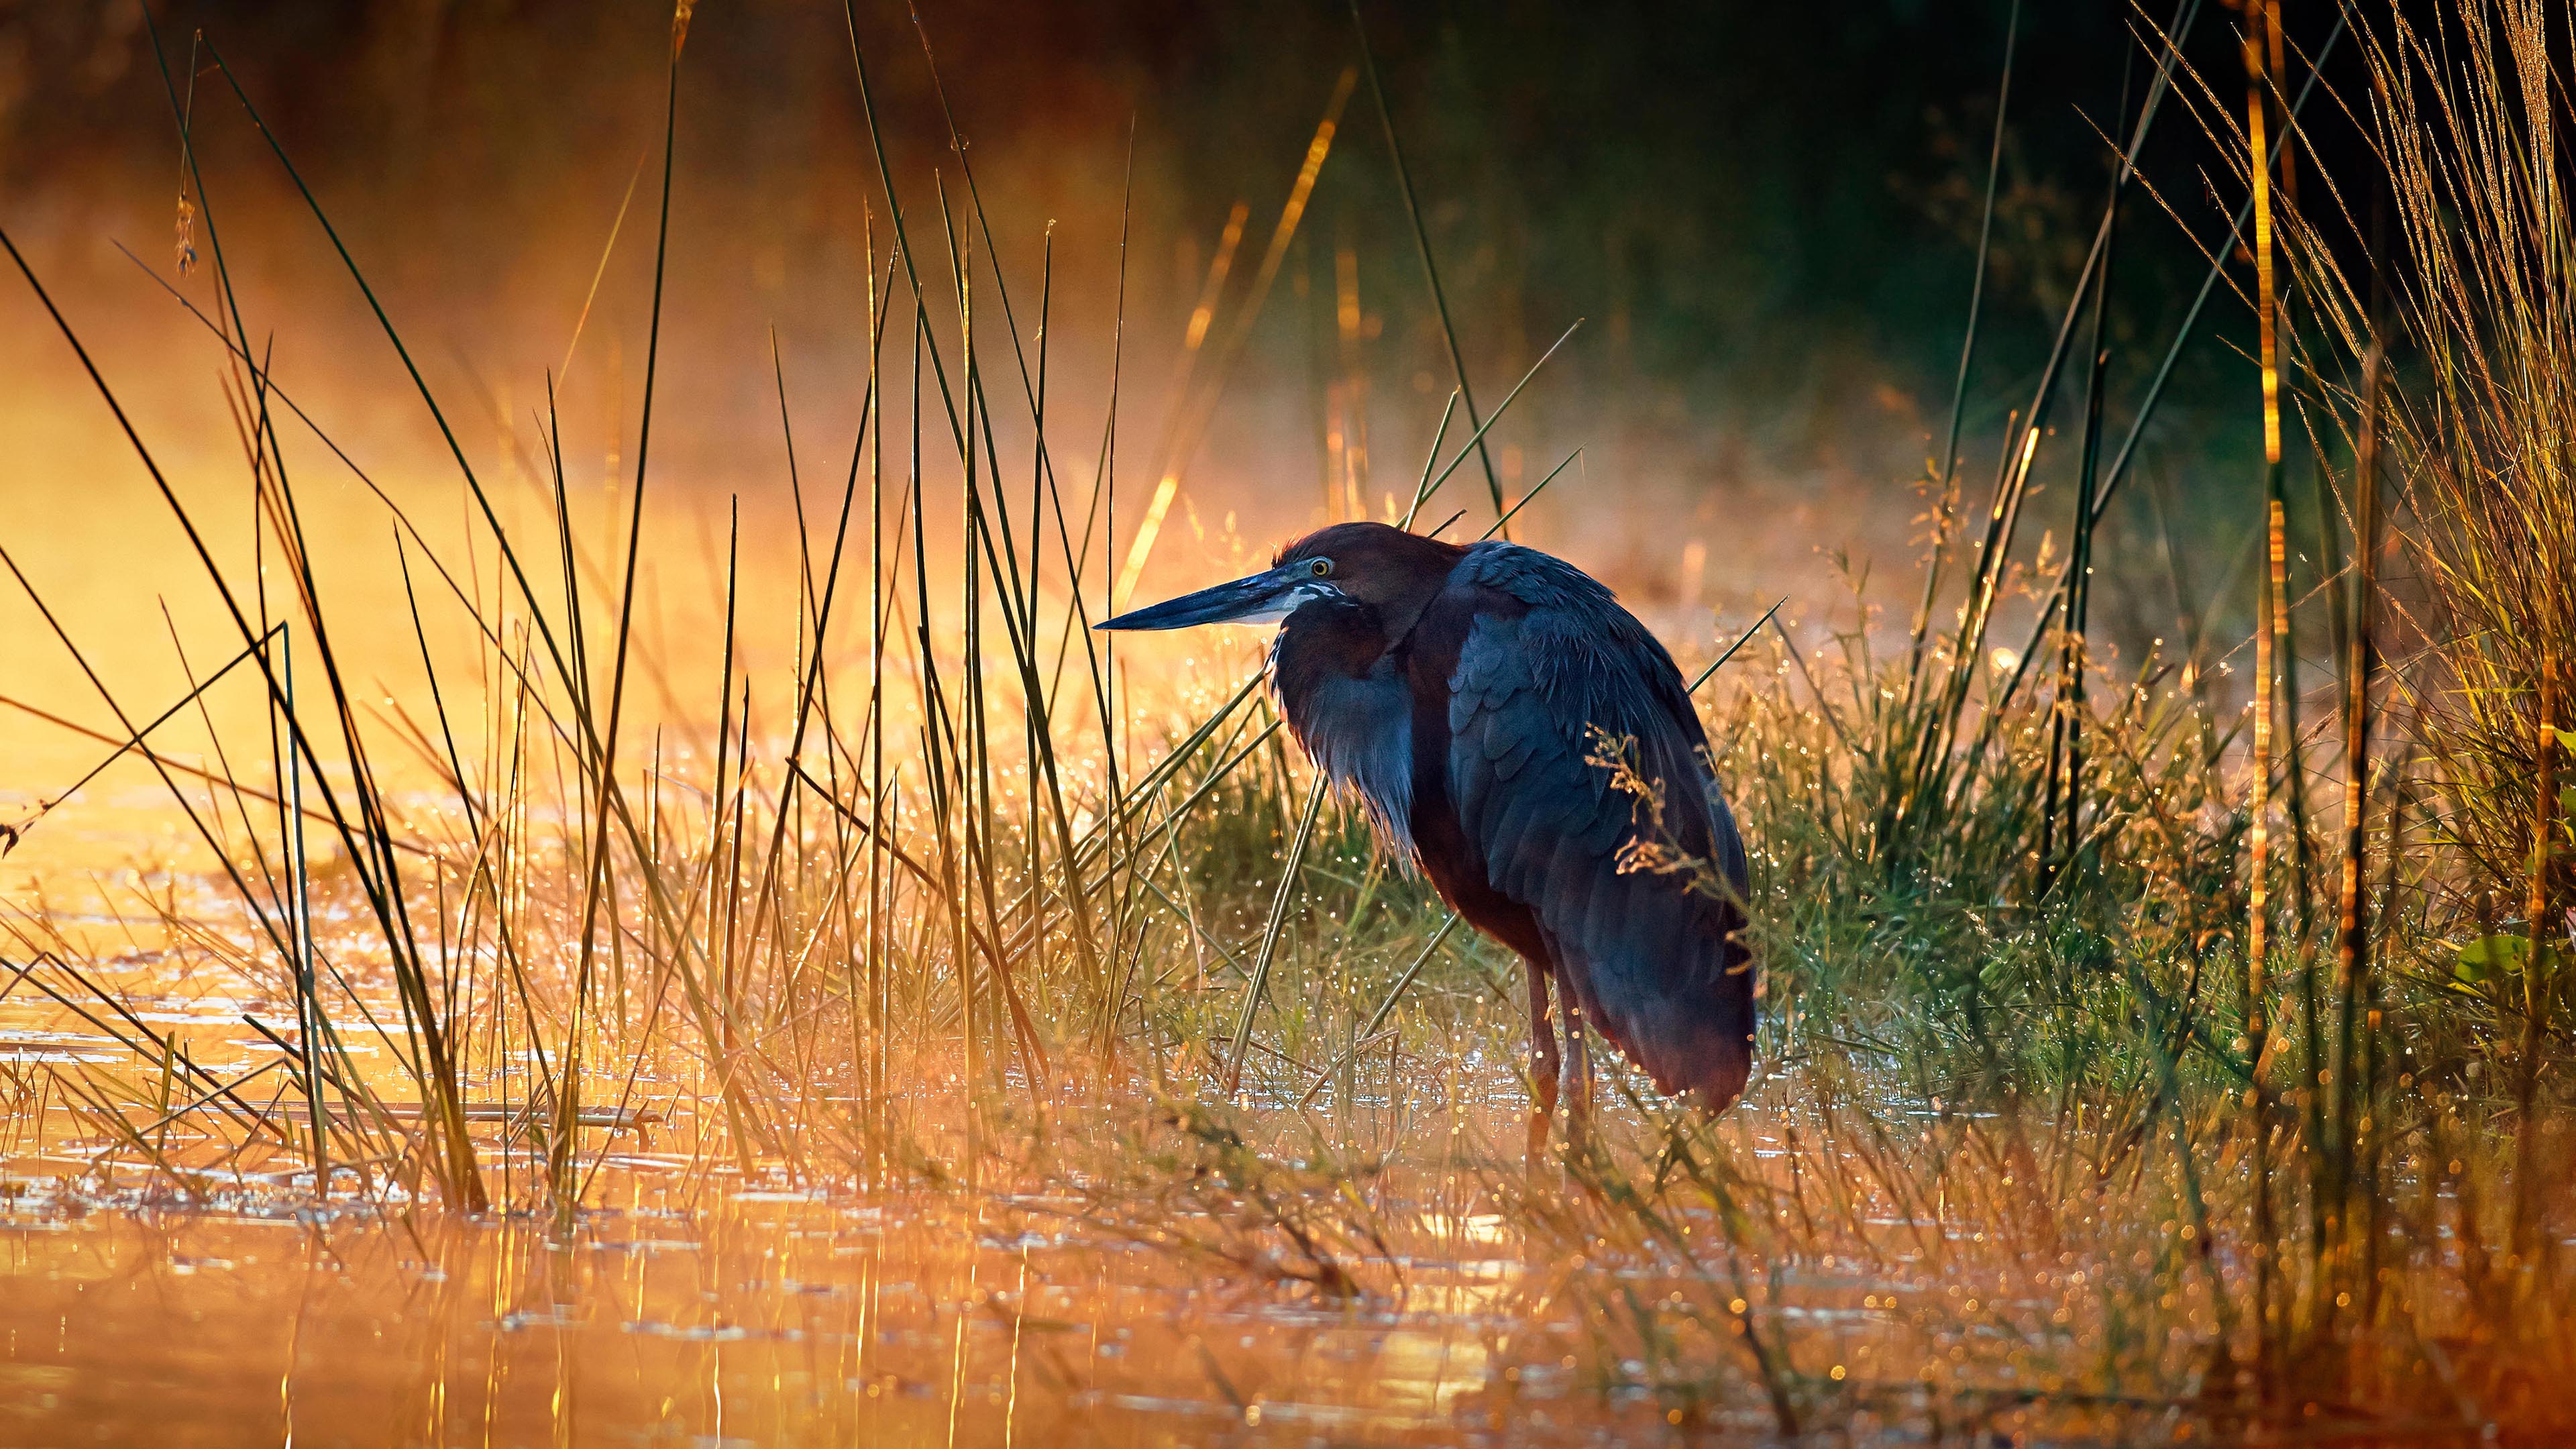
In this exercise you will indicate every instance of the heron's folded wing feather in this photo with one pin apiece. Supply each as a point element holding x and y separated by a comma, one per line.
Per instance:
<point>1650,958</point>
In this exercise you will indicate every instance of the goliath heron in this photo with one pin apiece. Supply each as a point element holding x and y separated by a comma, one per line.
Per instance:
<point>1463,694</point>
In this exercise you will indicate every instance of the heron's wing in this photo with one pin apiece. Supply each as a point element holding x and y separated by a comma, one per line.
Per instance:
<point>1549,657</point>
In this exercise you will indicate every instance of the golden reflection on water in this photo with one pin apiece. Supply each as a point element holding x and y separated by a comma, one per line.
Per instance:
<point>771,1316</point>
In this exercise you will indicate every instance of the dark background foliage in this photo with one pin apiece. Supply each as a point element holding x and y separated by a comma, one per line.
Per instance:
<point>1767,214</point>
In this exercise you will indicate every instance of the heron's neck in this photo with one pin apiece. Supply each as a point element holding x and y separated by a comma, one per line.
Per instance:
<point>1423,573</point>
<point>1339,636</point>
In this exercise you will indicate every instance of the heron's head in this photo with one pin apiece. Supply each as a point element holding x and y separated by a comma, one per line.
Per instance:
<point>1394,572</point>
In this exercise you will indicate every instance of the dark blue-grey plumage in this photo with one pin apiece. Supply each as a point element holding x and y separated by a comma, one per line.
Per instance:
<point>1551,674</point>
<point>1467,695</point>
<point>1345,701</point>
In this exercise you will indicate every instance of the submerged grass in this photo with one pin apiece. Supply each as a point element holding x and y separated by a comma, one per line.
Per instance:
<point>2063,1129</point>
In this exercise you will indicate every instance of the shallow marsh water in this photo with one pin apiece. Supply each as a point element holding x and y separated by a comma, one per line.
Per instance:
<point>1092,1301</point>
<point>771,1314</point>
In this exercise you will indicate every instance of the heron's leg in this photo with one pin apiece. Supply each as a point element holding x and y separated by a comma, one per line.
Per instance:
<point>1543,1063</point>
<point>1576,1084</point>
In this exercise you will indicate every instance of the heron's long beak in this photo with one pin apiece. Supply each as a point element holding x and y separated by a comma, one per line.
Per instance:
<point>1263,598</point>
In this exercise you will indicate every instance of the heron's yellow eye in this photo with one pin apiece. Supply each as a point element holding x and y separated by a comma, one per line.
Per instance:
<point>1320,567</point>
